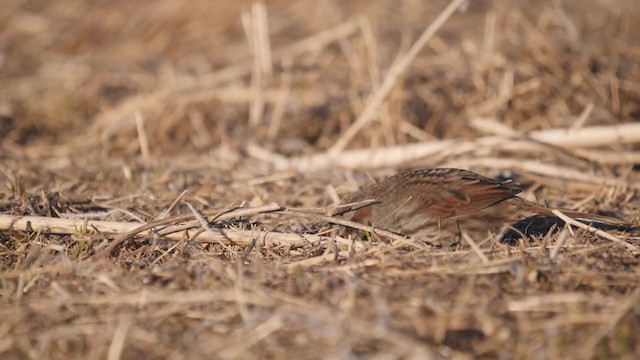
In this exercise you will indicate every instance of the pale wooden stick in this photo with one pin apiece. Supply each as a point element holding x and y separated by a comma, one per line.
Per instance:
<point>118,339</point>
<point>204,225</point>
<point>593,230</point>
<point>582,119</point>
<point>562,237</point>
<point>74,226</point>
<point>353,159</point>
<point>591,136</point>
<point>546,170</point>
<point>492,126</point>
<point>63,226</point>
<point>218,215</point>
<point>536,303</point>
<point>395,155</point>
<point>475,247</point>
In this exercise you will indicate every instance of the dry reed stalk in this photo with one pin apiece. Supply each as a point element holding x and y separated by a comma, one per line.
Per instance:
<point>391,156</point>
<point>539,303</point>
<point>111,121</point>
<point>593,230</point>
<point>622,309</point>
<point>545,170</point>
<point>396,70</point>
<point>258,333</point>
<point>142,137</point>
<point>355,225</point>
<point>475,247</point>
<point>257,32</point>
<point>501,99</point>
<point>173,229</point>
<point>93,227</point>
<point>118,340</point>
<point>218,215</point>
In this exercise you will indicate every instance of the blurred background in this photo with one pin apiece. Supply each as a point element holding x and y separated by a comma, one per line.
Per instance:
<point>291,76</point>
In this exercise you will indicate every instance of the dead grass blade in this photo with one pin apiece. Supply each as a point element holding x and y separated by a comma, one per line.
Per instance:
<point>396,70</point>
<point>593,230</point>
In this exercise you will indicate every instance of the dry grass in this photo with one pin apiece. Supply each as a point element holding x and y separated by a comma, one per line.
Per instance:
<point>167,112</point>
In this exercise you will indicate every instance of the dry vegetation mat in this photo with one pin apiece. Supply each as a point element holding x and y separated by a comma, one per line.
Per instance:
<point>168,170</point>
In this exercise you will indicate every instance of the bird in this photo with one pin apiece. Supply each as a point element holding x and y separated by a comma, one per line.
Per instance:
<point>437,205</point>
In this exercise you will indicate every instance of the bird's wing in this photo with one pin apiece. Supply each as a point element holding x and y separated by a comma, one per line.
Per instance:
<point>451,193</point>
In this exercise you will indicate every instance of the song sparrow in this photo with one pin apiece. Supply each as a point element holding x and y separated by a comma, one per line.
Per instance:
<point>436,205</point>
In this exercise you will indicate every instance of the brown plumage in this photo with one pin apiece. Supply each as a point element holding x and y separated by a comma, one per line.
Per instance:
<point>437,204</point>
